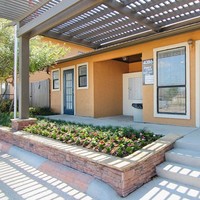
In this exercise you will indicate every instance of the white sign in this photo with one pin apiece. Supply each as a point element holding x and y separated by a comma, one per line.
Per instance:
<point>147,72</point>
<point>149,79</point>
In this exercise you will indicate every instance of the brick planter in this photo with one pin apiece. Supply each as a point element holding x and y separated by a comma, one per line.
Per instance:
<point>124,174</point>
<point>20,124</point>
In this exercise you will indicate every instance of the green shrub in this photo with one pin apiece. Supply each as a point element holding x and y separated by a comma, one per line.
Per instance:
<point>40,111</point>
<point>5,106</point>
<point>5,119</point>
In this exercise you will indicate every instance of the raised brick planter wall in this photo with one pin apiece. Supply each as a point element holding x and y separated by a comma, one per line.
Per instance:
<point>20,124</point>
<point>123,174</point>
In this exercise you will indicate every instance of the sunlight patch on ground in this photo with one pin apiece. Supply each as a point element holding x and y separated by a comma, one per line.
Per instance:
<point>29,183</point>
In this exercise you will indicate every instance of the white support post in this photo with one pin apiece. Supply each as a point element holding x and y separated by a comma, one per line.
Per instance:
<point>15,73</point>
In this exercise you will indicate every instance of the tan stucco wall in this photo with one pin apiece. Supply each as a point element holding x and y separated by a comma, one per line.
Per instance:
<point>39,76</point>
<point>55,101</point>
<point>84,103</point>
<point>148,91</point>
<point>75,49</point>
<point>135,67</point>
<point>108,92</point>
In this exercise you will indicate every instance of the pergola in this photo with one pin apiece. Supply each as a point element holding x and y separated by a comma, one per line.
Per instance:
<point>93,23</point>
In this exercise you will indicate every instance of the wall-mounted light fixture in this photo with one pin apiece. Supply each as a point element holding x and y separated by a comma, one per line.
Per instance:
<point>190,42</point>
<point>124,58</point>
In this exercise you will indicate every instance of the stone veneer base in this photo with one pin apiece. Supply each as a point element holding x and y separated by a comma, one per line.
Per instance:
<point>20,124</point>
<point>124,174</point>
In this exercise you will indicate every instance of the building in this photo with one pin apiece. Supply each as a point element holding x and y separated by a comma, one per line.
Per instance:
<point>37,97</point>
<point>92,84</point>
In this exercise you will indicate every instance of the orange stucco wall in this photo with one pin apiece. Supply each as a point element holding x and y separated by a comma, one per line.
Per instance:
<point>84,102</point>
<point>74,49</point>
<point>135,67</point>
<point>108,87</point>
<point>148,91</point>
<point>39,76</point>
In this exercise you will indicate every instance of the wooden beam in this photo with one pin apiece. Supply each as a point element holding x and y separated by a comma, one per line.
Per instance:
<point>68,39</point>
<point>57,15</point>
<point>122,9</point>
<point>35,8</point>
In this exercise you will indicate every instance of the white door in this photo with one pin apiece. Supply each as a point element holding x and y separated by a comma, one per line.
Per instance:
<point>132,91</point>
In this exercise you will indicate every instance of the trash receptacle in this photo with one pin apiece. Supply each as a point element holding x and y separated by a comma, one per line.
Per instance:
<point>137,112</point>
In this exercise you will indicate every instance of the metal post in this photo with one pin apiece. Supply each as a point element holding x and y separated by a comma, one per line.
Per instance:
<point>15,73</point>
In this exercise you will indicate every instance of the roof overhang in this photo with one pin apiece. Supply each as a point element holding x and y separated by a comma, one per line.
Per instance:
<point>136,41</point>
<point>100,23</point>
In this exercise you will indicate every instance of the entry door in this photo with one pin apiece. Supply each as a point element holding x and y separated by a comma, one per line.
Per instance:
<point>68,85</point>
<point>132,91</point>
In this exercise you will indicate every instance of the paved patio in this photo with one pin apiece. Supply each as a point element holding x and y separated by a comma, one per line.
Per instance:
<point>24,175</point>
<point>125,121</point>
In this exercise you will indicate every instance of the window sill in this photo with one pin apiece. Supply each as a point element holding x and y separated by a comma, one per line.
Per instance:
<point>82,88</point>
<point>171,116</point>
<point>55,90</point>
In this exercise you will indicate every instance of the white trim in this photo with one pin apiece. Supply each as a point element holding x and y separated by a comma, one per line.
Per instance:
<point>15,72</point>
<point>173,116</point>
<point>61,87</point>
<point>82,88</point>
<point>197,44</point>
<point>55,90</point>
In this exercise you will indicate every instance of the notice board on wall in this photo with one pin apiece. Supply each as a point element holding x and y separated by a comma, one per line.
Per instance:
<point>147,72</point>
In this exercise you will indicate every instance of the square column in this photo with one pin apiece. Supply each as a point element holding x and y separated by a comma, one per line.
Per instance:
<point>23,77</point>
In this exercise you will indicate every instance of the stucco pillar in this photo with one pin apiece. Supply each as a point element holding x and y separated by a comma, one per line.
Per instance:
<point>23,77</point>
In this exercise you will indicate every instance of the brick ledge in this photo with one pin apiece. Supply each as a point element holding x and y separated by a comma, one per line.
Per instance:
<point>124,174</point>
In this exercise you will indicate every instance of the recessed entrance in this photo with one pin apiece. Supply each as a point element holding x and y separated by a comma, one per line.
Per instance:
<point>132,87</point>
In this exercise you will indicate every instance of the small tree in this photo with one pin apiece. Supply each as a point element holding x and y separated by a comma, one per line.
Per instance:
<point>42,54</point>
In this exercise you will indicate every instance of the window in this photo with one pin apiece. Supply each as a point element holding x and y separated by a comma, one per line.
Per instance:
<point>55,78</point>
<point>172,93</point>
<point>82,76</point>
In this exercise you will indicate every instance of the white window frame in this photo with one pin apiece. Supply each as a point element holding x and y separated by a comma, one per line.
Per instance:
<point>54,90</point>
<point>173,116</point>
<point>82,88</point>
<point>197,45</point>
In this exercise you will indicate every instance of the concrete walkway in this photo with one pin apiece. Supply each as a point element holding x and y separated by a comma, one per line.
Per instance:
<point>24,175</point>
<point>125,121</point>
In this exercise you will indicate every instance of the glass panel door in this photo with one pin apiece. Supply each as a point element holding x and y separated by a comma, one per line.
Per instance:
<point>68,92</point>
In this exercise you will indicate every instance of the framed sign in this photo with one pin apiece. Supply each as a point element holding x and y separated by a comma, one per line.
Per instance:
<point>147,72</point>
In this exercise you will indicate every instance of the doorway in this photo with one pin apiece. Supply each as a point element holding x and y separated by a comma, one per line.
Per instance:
<point>68,91</point>
<point>132,91</point>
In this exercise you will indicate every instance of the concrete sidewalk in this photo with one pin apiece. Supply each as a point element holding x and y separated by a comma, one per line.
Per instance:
<point>24,175</point>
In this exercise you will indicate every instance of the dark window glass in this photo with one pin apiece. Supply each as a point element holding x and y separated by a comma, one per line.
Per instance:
<point>171,81</point>
<point>55,75</point>
<point>82,76</point>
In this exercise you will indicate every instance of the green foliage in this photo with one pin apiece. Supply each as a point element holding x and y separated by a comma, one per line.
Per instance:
<point>40,111</point>
<point>5,105</point>
<point>6,49</point>
<point>42,54</point>
<point>5,119</point>
<point>115,141</point>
